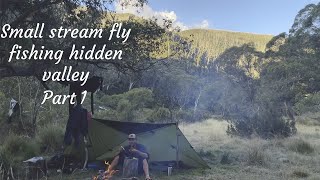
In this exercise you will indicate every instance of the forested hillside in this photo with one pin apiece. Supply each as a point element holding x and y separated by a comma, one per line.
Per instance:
<point>215,42</point>
<point>203,42</point>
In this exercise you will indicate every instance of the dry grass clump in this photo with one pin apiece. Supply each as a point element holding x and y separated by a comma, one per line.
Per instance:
<point>301,146</point>
<point>256,152</point>
<point>300,173</point>
<point>256,156</point>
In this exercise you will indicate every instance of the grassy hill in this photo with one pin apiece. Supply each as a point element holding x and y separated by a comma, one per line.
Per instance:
<point>214,42</point>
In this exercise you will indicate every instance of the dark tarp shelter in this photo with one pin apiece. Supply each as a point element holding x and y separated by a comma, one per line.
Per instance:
<point>165,143</point>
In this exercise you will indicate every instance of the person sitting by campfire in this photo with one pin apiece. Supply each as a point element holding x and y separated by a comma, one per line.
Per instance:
<point>133,150</point>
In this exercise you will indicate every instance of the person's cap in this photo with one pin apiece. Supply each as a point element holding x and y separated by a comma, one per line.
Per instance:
<point>131,136</point>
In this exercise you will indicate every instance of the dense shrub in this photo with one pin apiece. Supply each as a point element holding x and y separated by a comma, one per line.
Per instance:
<point>140,97</point>
<point>127,106</point>
<point>311,103</point>
<point>161,114</point>
<point>124,110</point>
<point>184,115</point>
<point>108,113</point>
<point>111,101</point>
<point>266,123</point>
<point>16,149</point>
<point>265,129</point>
<point>143,115</point>
<point>50,137</point>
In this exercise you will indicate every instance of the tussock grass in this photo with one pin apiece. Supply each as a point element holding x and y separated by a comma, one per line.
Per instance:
<point>256,156</point>
<point>300,173</point>
<point>301,146</point>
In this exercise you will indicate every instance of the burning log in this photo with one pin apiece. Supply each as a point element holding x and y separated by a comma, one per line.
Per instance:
<point>105,175</point>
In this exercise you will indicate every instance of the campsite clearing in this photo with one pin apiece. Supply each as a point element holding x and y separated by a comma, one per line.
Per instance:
<point>236,158</point>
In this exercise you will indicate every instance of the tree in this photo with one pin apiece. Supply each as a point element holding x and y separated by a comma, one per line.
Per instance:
<point>23,14</point>
<point>288,77</point>
<point>145,40</point>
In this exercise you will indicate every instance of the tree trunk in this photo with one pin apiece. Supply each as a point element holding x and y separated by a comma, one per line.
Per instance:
<point>197,102</point>
<point>131,85</point>
<point>35,111</point>
<point>20,101</point>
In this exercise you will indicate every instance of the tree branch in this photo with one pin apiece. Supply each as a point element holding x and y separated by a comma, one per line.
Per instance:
<point>32,10</point>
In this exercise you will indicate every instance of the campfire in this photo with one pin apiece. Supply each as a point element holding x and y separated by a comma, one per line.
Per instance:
<point>105,175</point>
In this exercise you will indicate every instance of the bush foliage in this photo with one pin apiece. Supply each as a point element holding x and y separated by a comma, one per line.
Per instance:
<point>50,137</point>
<point>16,149</point>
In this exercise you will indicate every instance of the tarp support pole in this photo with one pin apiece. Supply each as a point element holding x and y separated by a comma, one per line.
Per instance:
<point>177,149</point>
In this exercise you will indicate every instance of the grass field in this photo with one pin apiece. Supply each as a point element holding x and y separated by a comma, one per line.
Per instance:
<point>235,158</point>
